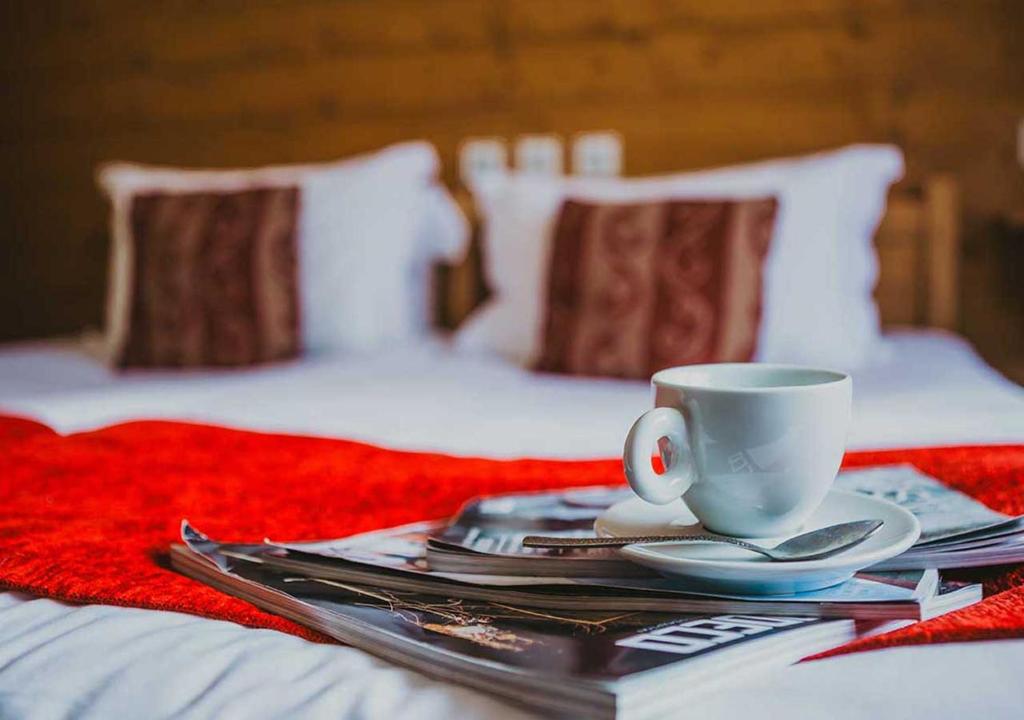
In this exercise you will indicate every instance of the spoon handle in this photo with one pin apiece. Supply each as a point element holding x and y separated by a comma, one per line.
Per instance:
<point>540,541</point>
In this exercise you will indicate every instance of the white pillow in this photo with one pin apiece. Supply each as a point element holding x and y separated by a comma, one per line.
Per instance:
<point>820,270</point>
<point>370,229</point>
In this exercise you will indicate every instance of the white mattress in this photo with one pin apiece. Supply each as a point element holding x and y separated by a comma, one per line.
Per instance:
<point>59,661</point>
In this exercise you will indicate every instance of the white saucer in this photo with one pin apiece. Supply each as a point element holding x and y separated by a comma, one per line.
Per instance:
<point>723,568</point>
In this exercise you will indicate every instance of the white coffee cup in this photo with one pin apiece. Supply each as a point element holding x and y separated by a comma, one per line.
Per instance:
<point>753,448</point>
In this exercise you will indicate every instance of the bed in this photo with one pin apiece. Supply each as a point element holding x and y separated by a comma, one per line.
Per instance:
<point>928,387</point>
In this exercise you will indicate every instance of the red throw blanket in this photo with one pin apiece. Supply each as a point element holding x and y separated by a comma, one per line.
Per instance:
<point>88,517</point>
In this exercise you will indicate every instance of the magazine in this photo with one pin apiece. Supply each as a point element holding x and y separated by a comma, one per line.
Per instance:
<point>585,663</point>
<point>956,530</point>
<point>486,534</point>
<point>396,558</point>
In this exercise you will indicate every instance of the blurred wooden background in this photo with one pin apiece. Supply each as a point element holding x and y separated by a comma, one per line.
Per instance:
<point>687,83</point>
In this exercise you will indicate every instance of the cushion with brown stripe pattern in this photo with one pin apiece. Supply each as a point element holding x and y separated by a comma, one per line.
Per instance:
<point>635,288</point>
<point>212,279</point>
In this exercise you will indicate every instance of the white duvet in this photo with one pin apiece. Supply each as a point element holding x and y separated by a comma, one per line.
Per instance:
<point>925,388</point>
<point>61,661</point>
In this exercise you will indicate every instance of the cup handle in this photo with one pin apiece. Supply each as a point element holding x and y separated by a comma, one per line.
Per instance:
<point>661,422</point>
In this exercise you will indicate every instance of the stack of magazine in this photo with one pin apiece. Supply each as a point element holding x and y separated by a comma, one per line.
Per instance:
<point>584,632</point>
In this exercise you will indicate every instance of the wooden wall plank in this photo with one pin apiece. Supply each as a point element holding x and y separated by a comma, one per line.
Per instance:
<point>688,84</point>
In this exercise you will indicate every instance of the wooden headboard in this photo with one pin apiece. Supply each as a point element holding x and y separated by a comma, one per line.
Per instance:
<point>919,255</point>
<point>918,244</point>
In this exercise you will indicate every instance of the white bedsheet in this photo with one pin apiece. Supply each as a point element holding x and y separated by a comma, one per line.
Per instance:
<point>101,663</point>
<point>60,661</point>
<point>928,388</point>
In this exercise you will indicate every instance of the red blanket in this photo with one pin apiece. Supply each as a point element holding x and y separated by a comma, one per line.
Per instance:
<point>88,517</point>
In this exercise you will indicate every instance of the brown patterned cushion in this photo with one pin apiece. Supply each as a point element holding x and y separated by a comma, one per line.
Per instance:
<point>634,288</point>
<point>210,279</point>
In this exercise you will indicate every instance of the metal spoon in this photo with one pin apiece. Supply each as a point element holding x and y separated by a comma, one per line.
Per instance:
<point>809,546</point>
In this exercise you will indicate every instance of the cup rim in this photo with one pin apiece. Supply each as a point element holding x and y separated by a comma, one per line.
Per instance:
<point>833,377</point>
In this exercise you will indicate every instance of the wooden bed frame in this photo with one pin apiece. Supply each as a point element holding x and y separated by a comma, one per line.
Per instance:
<point>918,243</point>
<point>919,255</point>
